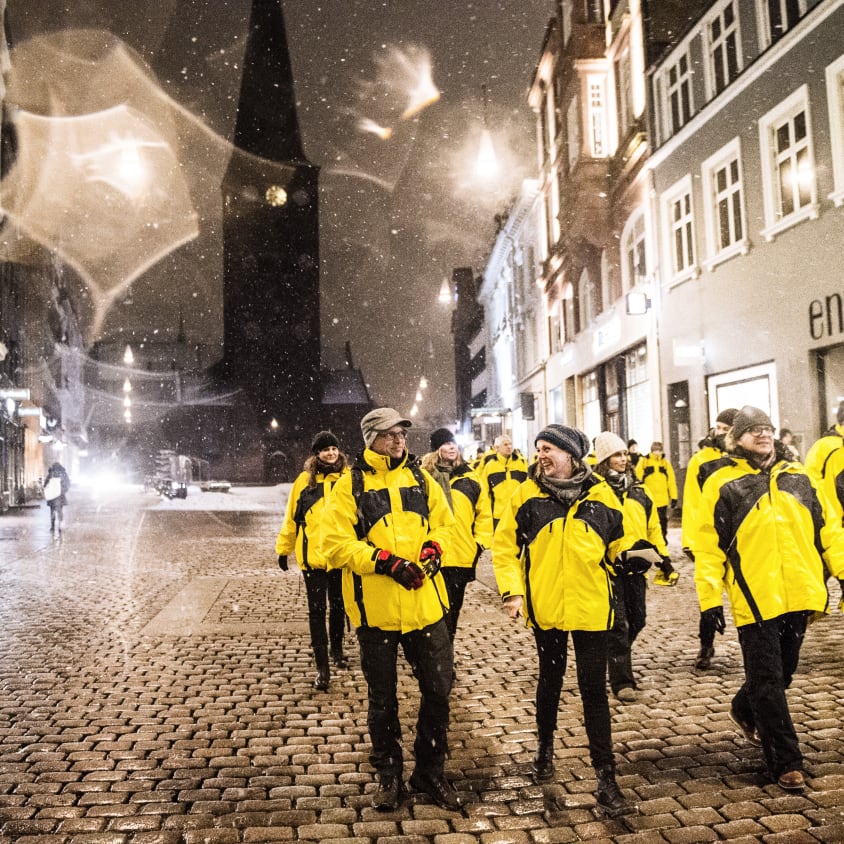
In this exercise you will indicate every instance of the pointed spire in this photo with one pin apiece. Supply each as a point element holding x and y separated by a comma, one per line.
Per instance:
<point>267,123</point>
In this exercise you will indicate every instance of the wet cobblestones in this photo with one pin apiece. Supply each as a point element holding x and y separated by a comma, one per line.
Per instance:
<point>155,688</point>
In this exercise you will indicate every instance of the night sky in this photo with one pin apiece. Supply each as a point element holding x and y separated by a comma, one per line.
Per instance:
<point>397,213</point>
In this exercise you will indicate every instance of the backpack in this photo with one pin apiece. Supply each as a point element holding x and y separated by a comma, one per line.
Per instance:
<point>363,523</point>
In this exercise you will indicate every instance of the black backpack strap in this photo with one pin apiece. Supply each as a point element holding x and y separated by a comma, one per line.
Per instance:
<point>357,494</point>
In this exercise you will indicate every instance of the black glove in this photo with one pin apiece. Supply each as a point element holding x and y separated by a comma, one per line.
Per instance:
<point>713,618</point>
<point>665,566</point>
<point>841,584</point>
<point>282,562</point>
<point>673,504</point>
<point>431,557</point>
<point>689,553</point>
<point>405,573</point>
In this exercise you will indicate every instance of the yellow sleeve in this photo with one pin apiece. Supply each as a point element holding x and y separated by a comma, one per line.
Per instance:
<point>483,516</point>
<point>286,541</point>
<point>339,544</point>
<point>506,554</point>
<point>440,518</point>
<point>672,481</point>
<point>710,560</point>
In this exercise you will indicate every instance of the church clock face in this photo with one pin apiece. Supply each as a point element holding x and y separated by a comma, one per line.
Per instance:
<point>276,195</point>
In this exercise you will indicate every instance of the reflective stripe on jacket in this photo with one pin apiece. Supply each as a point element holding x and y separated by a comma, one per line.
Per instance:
<point>764,536</point>
<point>558,560</point>
<point>401,516</point>
<point>300,527</point>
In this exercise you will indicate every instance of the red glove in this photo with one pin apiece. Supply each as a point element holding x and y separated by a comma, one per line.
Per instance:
<point>405,573</point>
<point>431,557</point>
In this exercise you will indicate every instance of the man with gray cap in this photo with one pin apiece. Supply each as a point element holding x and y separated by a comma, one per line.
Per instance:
<point>765,534</point>
<point>386,524</point>
<point>552,550</point>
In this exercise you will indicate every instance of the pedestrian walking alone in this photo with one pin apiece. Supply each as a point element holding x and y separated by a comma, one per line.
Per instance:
<point>764,536</point>
<point>56,485</point>
<point>387,526</point>
<point>552,554</point>
<point>300,532</point>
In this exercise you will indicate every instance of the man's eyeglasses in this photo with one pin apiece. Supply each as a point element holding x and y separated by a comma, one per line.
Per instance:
<point>393,435</point>
<point>758,430</point>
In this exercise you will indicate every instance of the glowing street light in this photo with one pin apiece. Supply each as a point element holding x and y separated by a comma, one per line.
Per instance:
<point>128,357</point>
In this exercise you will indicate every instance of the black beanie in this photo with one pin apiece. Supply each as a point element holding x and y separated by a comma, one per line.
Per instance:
<point>440,437</point>
<point>727,415</point>
<point>575,442</point>
<point>323,440</point>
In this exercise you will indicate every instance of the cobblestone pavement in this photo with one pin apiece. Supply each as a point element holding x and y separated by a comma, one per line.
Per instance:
<point>155,686</point>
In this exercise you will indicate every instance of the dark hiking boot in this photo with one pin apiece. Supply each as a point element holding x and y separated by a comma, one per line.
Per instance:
<point>610,800</point>
<point>437,787</point>
<point>388,794</point>
<point>323,677</point>
<point>543,763</point>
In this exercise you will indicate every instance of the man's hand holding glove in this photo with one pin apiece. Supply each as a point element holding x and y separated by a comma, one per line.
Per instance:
<point>713,619</point>
<point>282,562</point>
<point>666,576</point>
<point>431,557</point>
<point>404,572</point>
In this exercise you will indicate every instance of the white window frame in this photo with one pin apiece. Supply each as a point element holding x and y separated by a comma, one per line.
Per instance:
<point>711,199</point>
<point>573,131</point>
<point>585,300</point>
<point>596,107</point>
<point>668,89</point>
<point>764,21</point>
<point>624,90</point>
<point>835,104</point>
<point>775,221</point>
<point>710,46</point>
<point>675,193</point>
<point>630,236</point>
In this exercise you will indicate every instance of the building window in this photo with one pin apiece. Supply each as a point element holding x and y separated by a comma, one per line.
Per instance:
<point>638,396</point>
<point>569,312</point>
<point>597,117</point>
<point>586,300</point>
<point>590,402</point>
<point>634,266</point>
<point>835,101</point>
<point>624,92</point>
<point>594,11</point>
<point>788,164</point>
<point>776,17</point>
<point>573,132</point>
<point>678,93</point>
<point>679,229</point>
<point>556,328</point>
<point>724,204</point>
<point>722,31</point>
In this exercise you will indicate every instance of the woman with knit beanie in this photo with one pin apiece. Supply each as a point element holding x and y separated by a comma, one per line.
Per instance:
<point>300,532</point>
<point>560,532</point>
<point>469,502</point>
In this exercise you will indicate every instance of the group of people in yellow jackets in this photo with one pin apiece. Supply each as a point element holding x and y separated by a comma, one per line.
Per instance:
<point>572,536</point>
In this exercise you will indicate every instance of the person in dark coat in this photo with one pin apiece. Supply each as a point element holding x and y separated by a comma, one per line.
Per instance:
<point>56,503</point>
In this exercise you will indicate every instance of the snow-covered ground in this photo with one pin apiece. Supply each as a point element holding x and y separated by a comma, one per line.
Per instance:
<point>251,498</point>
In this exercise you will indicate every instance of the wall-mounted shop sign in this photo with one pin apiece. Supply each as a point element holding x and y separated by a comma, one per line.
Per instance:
<point>826,317</point>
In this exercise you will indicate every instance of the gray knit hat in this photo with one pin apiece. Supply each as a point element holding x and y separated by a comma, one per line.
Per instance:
<point>572,440</point>
<point>749,417</point>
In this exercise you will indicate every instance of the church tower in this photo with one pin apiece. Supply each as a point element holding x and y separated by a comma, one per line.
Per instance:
<point>271,253</point>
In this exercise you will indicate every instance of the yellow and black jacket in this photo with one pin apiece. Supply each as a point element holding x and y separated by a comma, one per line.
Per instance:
<point>764,536</point>
<point>657,474</point>
<point>825,465</point>
<point>641,520</point>
<point>395,514</point>
<point>558,558</point>
<point>300,527</point>
<point>698,469</point>
<point>502,476</point>
<point>473,517</point>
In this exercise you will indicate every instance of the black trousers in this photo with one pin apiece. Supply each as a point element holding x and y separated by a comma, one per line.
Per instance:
<point>325,588</point>
<point>590,653</point>
<point>430,656</point>
<point>456,578</point>
<point>662,512</point>
<point>771,651</point>
<point>629,596</point>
